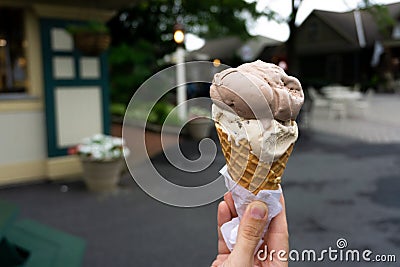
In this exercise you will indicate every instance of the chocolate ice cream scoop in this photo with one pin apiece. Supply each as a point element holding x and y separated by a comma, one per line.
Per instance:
<point>248,88</point>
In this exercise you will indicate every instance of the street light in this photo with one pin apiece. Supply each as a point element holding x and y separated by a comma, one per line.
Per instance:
<point>3,42</point>
<point>179,37</point>
<point>216,62</point>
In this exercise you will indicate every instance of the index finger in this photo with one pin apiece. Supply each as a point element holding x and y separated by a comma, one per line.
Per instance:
<point>279,223</point>
<point>277,236</point>
<point>224,215</point>
<point>229,200</point>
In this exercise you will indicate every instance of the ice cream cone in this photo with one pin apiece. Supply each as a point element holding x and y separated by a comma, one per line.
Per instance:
<point>246,169</point>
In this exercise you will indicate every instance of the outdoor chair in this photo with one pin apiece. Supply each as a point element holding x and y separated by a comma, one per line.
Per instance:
<point>359,107</point>
<point>317,99</point>
<point>337,109</point>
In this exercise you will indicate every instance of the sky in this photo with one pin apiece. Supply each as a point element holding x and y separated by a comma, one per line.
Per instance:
<point>280,32</point>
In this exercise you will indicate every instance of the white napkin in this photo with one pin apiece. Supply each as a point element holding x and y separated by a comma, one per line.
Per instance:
<point>242,197</point>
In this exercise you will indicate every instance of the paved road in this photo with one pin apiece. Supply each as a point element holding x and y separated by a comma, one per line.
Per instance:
<point>349,187</point>
<point>336,186</point>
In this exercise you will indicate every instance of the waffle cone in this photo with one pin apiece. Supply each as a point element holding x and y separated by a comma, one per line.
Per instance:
<point>246,169</point>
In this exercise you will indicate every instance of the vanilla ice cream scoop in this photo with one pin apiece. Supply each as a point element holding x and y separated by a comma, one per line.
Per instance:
<point>267,144</point>
<point>248,88</point>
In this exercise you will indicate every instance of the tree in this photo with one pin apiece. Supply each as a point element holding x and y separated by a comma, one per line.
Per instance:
<point>143,33</point>
<point>381,15</point>
<point>154,20</point>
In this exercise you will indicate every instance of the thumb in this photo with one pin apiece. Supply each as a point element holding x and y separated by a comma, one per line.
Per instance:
<point>250,232</point>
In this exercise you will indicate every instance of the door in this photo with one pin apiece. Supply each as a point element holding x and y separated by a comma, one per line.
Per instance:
<point>76,89</point>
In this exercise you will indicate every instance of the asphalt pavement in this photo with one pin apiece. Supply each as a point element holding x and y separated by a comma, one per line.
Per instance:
<point>337,186</point>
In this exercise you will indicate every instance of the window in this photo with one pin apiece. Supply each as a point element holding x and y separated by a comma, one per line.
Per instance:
<point>396,31</point>
<point>13,73</point>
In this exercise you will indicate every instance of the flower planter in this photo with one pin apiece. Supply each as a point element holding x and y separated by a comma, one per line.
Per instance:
<point>199,128</point>
<point>102,176</point>
<point>92,43</point>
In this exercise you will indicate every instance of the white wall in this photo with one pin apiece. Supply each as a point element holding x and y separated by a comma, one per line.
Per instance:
<point>22,137</point>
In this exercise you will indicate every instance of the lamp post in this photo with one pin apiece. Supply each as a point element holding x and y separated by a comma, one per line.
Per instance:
<point>179,37</point>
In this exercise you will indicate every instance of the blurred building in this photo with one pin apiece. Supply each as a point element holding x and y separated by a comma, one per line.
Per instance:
<point>349,48</point>
<point>51,94</point>
<point>230,50</point>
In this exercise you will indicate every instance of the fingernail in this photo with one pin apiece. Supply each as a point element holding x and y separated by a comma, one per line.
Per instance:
<point>258,210</point>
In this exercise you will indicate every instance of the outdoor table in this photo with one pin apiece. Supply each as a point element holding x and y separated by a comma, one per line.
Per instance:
<point>344,96</point>
<point>335,89</point>
<point>340,102</point>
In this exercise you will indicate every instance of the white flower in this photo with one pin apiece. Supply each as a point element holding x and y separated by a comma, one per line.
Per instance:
<point>84,149</point>
<point>126,151</point>
<point>116,153</point>
<point>117,142</point>
<point>98,137</point>
<point>102,147</point>
<point>108,146</point>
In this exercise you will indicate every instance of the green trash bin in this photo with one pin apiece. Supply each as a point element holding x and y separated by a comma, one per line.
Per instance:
<point>12,255</point>
<point>8,215</point>
<point>47,247</point>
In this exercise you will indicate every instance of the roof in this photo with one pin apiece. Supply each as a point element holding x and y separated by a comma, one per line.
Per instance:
<point>345,23</point>
<point>221,48</point>
<point>227,47</point>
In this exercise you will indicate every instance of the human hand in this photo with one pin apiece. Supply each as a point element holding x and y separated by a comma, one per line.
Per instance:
<point>249,234</point>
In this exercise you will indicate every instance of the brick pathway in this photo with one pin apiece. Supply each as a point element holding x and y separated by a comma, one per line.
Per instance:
<point>380,123</point>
